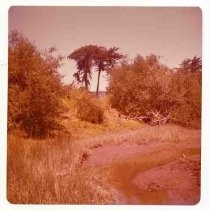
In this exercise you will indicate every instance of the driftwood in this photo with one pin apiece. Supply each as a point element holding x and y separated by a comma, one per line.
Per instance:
<point>152,118</point>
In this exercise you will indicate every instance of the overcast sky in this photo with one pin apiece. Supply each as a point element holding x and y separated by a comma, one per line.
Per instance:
<point>172,33</point>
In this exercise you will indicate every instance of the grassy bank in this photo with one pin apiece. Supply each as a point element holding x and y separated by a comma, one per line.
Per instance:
<point>51,171</point>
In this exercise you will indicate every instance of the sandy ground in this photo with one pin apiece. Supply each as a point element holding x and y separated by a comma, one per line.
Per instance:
<point>153,173</point>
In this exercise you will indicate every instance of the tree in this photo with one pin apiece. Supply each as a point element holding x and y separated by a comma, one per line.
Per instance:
<point>148,90</point>
<point>185,89</point>
<point>93,56</point>
<point>35,87</point>
<point>191,65</point>
<point>106,59</point>
<point>140,89</point>
<point>84,62</point>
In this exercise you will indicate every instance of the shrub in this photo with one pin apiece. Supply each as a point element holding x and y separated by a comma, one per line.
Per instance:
<point>35,88</point>
<point>149,90</point>
<point>89,109</point>
<point>186,90</point>
<point>141,89</point>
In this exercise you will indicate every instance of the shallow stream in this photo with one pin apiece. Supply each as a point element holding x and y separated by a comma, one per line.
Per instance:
<point>122,174</point>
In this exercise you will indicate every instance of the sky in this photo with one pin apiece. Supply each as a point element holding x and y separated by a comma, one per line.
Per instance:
<point>174,33</point>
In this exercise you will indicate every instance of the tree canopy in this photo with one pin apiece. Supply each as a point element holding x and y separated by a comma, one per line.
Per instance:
<point>148,89</point>
<point>35,87</point>
<point>90,56</point>
<point>191,65</point>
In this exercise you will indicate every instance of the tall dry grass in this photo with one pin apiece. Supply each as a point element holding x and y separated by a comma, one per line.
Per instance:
<point>45,172</point>
<point>144,135</point>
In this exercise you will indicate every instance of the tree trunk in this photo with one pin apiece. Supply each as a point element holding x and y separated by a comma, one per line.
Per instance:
<point>86,80</point>
<point>99,73</point>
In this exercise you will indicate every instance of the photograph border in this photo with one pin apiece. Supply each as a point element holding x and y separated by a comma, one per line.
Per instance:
<point>205,160</point>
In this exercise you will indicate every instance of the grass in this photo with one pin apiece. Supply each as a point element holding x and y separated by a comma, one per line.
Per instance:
<point>50,171</point>
<point>144,135</point>
<point>83,129</point>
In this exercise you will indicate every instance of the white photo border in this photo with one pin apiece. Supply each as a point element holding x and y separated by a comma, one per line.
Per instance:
<point>205,158</point>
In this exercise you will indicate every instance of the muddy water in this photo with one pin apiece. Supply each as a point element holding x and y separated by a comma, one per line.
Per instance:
<point>123,173</point>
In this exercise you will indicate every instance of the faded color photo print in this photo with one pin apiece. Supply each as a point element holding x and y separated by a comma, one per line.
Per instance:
<point>104,105</point>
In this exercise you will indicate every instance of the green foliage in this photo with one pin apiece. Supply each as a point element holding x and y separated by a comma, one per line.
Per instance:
<point>141,88</point>
<point>35,87</point>
<point>149,89</point>
<point>83,59</point>
<point>186,90</point>
<point>90,56</point>
<point>191,65</point>
<point>88,109</point>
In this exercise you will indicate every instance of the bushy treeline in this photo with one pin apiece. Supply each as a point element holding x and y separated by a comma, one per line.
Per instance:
<point>144,89</point>
<point>147,89</point>
<point>35,88</point>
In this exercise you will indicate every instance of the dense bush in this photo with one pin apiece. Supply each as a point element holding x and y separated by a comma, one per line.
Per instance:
<point>147,89</point>
<point>186,90</point>
<point>141,88</point>
<point>35,87</point>
<point>88,108</point>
